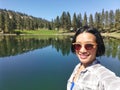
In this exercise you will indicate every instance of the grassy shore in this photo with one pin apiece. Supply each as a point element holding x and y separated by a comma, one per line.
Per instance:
<point>43,32</point>
<point>114,34</point>
<point>39,32</point>
<point>55,32</point>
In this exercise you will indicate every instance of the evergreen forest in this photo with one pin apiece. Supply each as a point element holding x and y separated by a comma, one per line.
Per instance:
<point>104,21</point>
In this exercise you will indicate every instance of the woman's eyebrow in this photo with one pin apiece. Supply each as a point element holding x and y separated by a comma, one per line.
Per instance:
<point>86,42</point>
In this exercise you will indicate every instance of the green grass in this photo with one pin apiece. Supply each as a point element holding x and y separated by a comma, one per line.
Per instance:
<point>37,32</point>
<point>114,34</point>
<point>60,32</point>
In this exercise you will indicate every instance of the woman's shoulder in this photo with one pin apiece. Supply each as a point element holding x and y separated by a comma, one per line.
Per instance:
<point>101,70</point>
<point>106,77</point>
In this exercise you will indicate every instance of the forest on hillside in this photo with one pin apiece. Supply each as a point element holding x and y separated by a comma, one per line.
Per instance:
<point>11,21</point>
<point>105,21</point>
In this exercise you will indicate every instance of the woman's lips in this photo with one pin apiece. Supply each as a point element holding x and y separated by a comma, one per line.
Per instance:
<point>82,56</point>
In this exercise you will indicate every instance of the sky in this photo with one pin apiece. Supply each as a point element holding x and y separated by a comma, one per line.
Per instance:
<point>50,9</point>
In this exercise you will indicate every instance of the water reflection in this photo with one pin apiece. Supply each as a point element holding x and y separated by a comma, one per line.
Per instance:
<point>112,47</point>
<point>31,68</point>
<point>13,45</point>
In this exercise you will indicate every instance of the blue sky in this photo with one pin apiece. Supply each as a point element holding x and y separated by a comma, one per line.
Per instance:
<point>49,9</point>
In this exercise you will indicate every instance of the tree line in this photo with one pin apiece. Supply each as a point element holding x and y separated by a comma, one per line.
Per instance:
<point>11,21</point>
<point>105,21</point>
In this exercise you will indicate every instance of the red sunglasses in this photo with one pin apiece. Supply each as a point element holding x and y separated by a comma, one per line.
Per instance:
<point>87,46</point>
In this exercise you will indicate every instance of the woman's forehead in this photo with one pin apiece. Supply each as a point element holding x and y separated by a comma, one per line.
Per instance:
<point>85,37</point>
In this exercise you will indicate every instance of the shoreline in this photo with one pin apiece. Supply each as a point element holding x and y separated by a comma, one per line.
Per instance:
<point>114,35</point>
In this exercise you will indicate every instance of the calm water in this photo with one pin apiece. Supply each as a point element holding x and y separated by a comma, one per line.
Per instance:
<point>44,62</point>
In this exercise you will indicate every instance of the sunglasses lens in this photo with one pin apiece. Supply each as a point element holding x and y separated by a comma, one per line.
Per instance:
<point>86,46</point>
<point>77,46</point>
<point>89,46</point>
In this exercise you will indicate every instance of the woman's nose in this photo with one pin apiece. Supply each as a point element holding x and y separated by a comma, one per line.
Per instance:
<point>82,50</point>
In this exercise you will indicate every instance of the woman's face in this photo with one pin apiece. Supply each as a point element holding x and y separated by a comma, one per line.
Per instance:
<point>87,52</point>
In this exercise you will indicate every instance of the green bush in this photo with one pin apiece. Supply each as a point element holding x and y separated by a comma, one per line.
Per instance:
<point>17,32</point>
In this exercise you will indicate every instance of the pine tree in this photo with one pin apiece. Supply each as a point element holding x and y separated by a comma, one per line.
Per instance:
<point>79,20</point>
<point>2,19</point>
<point>68,21</point>
<point>57,23</point>
<point>74,22</point>
<point>18,21</point>
<point>111,19</point>
<point>91,23</point>
<point>103,19</point>
<point>63,20</point>
<point>97,20</point>
<point>106,20</point>
<point>117,19</point>
<point>85,22</point>
<point>7,23</point>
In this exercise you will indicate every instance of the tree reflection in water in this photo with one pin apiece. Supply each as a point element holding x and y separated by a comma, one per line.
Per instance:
<point>14,45</point>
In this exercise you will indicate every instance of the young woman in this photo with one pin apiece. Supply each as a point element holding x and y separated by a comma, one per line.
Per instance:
<point>89,74</point>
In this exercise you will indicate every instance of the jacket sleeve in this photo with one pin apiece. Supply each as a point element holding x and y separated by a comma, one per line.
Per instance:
<point>107,79</point>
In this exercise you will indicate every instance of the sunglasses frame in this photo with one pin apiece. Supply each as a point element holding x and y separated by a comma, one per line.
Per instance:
<point>93,45</point>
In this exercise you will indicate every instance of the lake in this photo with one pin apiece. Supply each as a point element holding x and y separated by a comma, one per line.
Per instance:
<point>45,62</point>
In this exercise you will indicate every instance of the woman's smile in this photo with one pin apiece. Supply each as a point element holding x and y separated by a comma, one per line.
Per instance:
<point>83,56</point>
